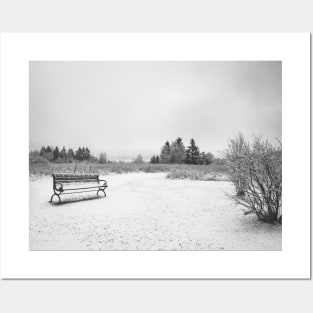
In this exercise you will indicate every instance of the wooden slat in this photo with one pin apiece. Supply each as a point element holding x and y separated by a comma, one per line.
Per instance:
<point>71,178</point>
<point>76,173</point>
<point>68,181</point>
<point>70,193</point>
<point>66,189</point>
<point>75,176</point>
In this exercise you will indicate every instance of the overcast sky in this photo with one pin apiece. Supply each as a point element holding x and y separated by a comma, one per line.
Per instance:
<point>127,108</point>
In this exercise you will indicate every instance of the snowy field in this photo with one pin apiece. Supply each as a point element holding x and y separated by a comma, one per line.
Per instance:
<point>146,212</point>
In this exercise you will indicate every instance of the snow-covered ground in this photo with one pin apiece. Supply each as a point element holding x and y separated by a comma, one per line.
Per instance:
<point>146,212</point>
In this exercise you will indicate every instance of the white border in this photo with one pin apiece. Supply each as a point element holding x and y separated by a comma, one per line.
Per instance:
<point>16,52</point>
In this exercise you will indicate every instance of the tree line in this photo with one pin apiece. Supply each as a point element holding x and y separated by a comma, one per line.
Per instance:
<point>171,153</point>
<point>65,155</point>
<point>175,152</point>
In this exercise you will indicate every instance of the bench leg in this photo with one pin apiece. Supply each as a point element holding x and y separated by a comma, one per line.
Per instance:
<point>53,196</point>
<point>102,191</point>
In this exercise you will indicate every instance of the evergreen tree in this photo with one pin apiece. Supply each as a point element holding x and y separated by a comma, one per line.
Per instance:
<point>56,153</point>
<point>157,159</point>
<point>70,154</point>
<point>152,160</point>
<point>42,151</point>
<point>177,151</point>
<point>165,155</point>
<point>83,153</point>
<point>87,154</point>
<point>192,153</point>
<point>63,153</point>
<point>79,154</point>
<point>47,153</point>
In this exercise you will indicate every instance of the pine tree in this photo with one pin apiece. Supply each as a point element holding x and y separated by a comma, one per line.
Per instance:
<point>56,153</point>
<point>42,151</point>
<point>83,154</point>
<point>157,159</point>
<point>63,153</point>
<point>79,154</point>
<point>152,160</point>
<point>87,154</point>
<point>192,153</point>
<point>177,151</point>
<point>70,154</point>
<point>165,155</point>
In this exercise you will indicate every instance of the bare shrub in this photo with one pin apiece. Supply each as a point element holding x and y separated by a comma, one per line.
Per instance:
<point>256,171</point>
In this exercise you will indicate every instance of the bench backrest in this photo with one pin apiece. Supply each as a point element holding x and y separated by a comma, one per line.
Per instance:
<point>74,178</point>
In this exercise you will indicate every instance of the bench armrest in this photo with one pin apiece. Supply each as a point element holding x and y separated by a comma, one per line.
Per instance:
<point>104,182</point>
<point>58,187</point>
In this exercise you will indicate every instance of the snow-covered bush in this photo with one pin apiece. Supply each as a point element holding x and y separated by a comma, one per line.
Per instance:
<point>256,171</point>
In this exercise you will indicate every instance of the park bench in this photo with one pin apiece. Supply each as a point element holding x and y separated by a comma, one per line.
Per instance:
<point>72,183</point>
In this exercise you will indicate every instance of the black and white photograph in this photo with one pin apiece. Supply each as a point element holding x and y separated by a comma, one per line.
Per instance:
<point>155,155</point>
<point>141,156</point>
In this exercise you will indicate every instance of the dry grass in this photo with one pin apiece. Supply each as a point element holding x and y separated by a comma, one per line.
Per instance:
<point>101,169</point>
<point>175,171</point>
<point>203,173</point>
